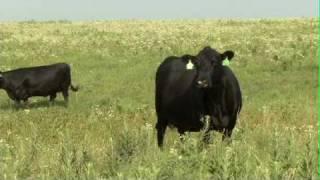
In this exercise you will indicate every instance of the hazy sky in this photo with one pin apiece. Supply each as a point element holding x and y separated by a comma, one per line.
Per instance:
<point>152,9</point>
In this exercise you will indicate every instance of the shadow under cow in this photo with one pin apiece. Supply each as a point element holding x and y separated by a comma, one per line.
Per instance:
<point>33,105</point>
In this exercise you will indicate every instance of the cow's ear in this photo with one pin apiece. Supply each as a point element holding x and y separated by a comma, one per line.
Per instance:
<point>227,54</point>
<point>190,61</point>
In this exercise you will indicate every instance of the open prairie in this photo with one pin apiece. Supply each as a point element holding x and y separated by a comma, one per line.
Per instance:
<point>107,131</point>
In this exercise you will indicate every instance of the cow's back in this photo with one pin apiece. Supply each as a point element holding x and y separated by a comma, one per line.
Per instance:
<point>17,74</point>
<point>48,80</point>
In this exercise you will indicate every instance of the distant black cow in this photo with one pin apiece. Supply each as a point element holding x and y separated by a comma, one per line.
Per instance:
<point>20,84</point>
<point>188,88</point>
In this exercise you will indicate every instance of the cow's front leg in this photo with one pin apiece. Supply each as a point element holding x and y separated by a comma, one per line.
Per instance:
<point>17,103</point>
<point>26,102</point>
<point>207,120</point>
<point>181,134</point>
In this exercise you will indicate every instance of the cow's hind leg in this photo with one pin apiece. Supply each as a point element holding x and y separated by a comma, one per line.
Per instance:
<point>65,94</point>
<point>17,102</point>
<point>161,129</point>
<point>53,97</point>
<point>226,134</point>
<point>227,131</point>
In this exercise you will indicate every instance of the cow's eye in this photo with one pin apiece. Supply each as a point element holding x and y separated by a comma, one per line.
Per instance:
<point>196,64</point>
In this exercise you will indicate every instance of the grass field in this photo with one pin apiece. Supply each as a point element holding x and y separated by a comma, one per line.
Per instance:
<point>107,131</point>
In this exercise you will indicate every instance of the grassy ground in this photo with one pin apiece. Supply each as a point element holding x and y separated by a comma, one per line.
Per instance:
<point>107,132</point>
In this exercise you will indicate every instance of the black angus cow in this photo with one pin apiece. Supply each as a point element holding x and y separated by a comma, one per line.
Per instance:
<point>190,87</point>
<point>20,84</point>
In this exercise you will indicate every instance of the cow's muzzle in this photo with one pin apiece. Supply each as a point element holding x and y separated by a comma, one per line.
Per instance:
<point>202,84</point>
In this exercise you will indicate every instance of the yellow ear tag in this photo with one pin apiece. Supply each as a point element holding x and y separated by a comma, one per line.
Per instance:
<point>189,65</point>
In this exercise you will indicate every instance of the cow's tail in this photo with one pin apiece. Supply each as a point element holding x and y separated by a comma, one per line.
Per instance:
<point>74,88</point>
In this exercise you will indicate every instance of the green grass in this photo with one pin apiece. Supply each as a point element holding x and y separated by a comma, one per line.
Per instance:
<point>107,132</point>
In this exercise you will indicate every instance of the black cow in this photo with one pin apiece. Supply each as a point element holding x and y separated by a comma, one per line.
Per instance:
<point>188,88</point>
<point>20,84</point>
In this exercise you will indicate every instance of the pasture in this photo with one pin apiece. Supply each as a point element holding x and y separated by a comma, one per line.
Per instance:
<point>107,131</point>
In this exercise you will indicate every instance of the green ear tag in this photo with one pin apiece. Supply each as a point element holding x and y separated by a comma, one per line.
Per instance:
<point>226,62</point>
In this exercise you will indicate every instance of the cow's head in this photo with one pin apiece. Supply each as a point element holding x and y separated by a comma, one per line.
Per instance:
<point>209,61</point>
<point>1,80</point>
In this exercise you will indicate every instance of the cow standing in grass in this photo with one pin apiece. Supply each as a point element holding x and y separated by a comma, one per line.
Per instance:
<point>21,84</point>
<point>190,87</point>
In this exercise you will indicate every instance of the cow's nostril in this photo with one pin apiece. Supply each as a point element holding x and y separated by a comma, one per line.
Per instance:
<point>203,83</point>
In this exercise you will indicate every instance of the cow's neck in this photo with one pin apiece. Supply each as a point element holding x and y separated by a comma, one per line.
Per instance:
<point>8,87</point>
